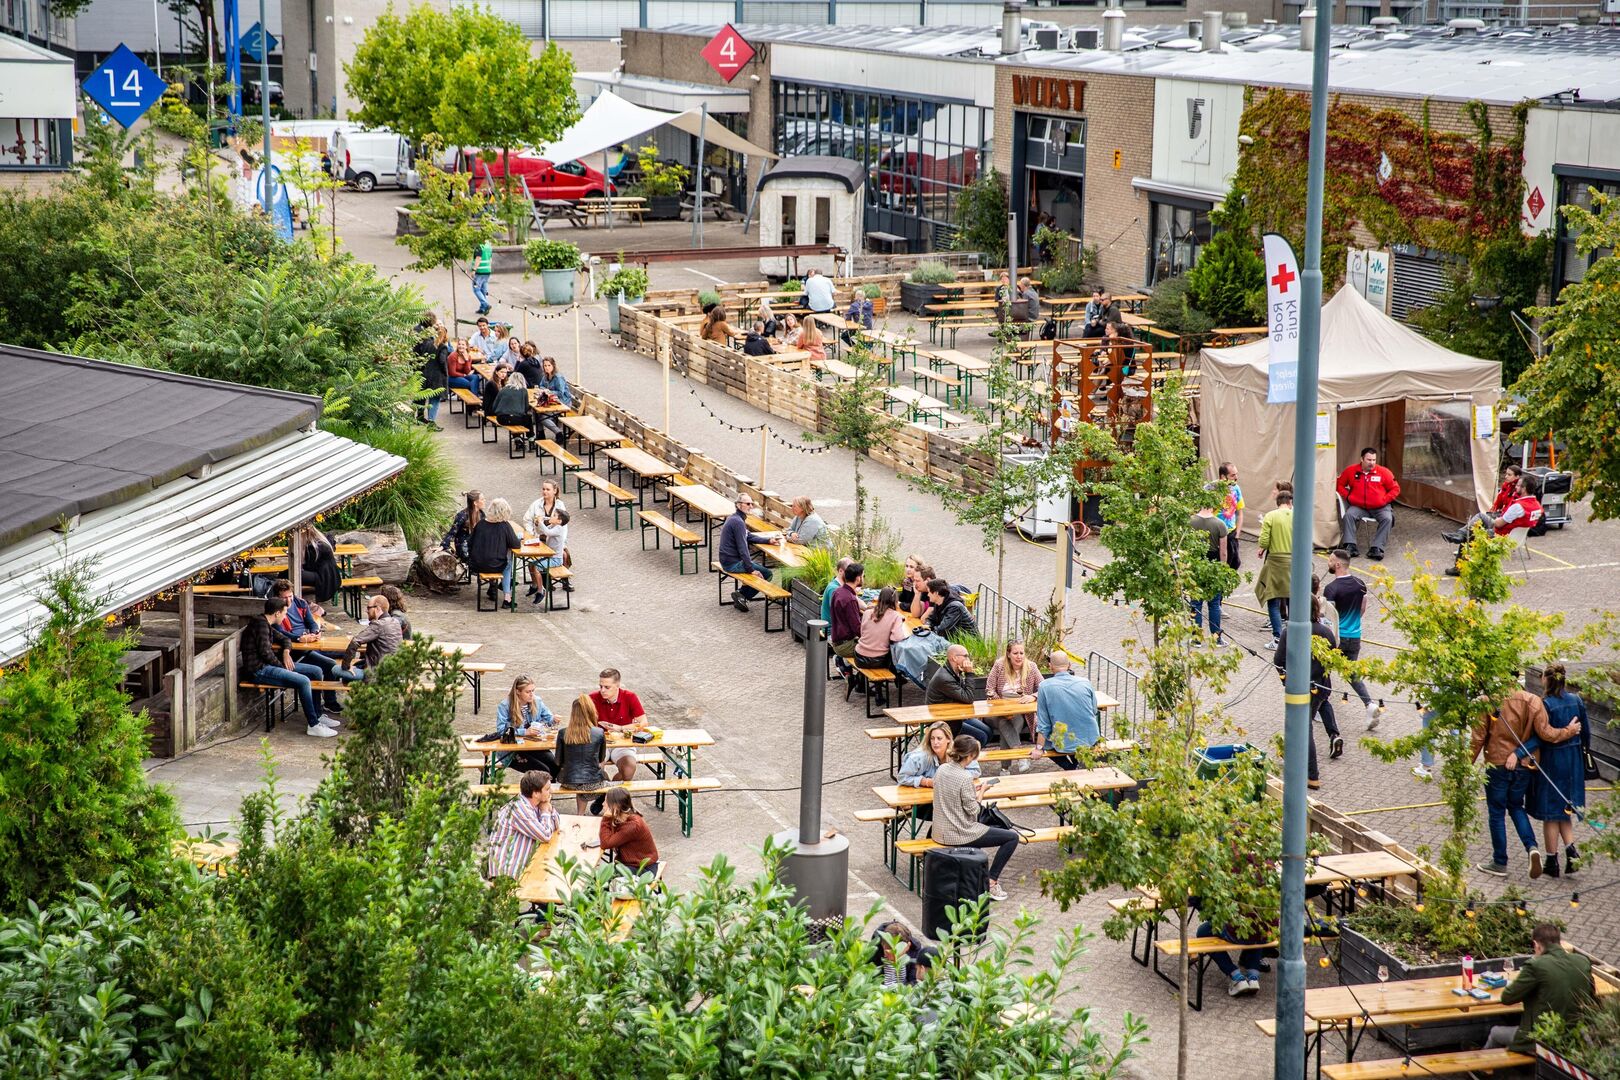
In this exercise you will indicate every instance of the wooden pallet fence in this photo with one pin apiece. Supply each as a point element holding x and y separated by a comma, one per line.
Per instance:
<point>950,459</point>
<point>638,331</point>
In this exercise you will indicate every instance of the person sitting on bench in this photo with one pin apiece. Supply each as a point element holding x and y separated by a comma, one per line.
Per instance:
<point>1554,980</point>
<point>489,551</point>
<point>462,376</point>
<point>844,633</point>
<point>527,820</point>
<point>553,388</point>
<point>881,627</point>
<point>757,343</point>
<point>920,765</point>
<point>262,665</point>
<point>957,809</point>
<point>547,519</point>
<point>807,528</point>
<point>948,685</point>
<point>380,638</point>
<point>396,608</point>
<point>947,614</point>
<point>321,571</point>
<point>1065,713</point>
<point>512,406</point>
<point>523,715</point>
<point>735,543</point>
<point>298,623</point>
<point>624,836</point>
<point>617,709</point>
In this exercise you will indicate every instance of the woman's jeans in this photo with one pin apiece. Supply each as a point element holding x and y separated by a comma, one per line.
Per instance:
<point>1274,612</point>
<point>1248,959</point>
<point>467,382</point>
<point>1005,841</point>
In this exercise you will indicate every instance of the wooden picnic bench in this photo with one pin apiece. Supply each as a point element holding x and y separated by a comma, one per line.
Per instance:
<point>920,406</point>
<point>649,472</point>
<point>474,671</point>
<point>1451,1063</point>
<point>276,706</point>
<point>775,597</point>
<point>590,433</point>
<point>837,369</point>
<point>1201,952</point>
<point>682,539</point>
<point>561,460</point>
<point>472,406</point>
<point>682,787</point>
<point>631,206</point>
<point>621,500</point>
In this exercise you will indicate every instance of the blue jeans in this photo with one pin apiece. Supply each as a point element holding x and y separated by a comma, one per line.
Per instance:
<point>1274,608</point>
<point>276,675</point>
<point>1248,959</point>
<point>974,727</point>
<point>481,290</point>
<point>1214,604</point>
<point>466,382</point>
<point>323,668</point>
<point>1425,755</point>
<point>745,591</point>
<point>431,409</point>
<point>1505,790</point>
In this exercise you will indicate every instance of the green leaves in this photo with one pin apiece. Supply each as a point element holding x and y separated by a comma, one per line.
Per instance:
<point>452,220</point>
<point>1227,283</point>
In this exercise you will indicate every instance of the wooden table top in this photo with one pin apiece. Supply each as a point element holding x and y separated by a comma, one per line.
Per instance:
<point>1132,298</point>
<point>555,408</point>
<point>591,429</point>
<point>640,462</point>
<point>964,361</point>
<point>963,305</point>
<point>1015,787</point>
<point>339,642</point>
<point>1234,331</point>
<point>1131,319</point>
<point>838,368</point>
<point>1366,865</point>
<point>341,551</point>
<point>1343,1003</point>
<point>685,738</point>
<point>784,554</point>
<point>827,318</point>
<point>911,715</point>
<point>534,549</point>
<point>543,881</point>
<point>705,500</point>
<point>485,371</point>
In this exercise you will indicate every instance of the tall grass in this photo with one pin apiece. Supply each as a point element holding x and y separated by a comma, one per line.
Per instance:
<point>421,499</point>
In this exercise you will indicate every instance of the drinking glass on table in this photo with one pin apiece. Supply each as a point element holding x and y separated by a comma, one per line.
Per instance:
<point>1508,968</point>
<point>1383,973</point>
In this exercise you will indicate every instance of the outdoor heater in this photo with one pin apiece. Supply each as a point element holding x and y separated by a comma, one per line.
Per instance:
<point>816,866</point>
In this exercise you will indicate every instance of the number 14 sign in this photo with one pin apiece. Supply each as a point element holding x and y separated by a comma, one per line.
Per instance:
<point>728,53</point>
<point>124,86</point>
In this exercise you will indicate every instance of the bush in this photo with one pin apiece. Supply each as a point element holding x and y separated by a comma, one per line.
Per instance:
<point>707,299</point>
<point>872,292</point>
<point>931,273</point>
<point>1592,1041</point>
<point>1228,282</point>
<point>173,115</point>
<point>792,285</point>
<point>981,214</point>
<point>551,255</point>
<point>658,178</point>
<point>75,804</point>
<point>421,500</point>
<point>1171,308</point>
<point>630,280</point>
<point>1497,929</point>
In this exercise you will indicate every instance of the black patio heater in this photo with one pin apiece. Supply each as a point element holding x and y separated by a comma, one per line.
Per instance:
<point>816,866</point>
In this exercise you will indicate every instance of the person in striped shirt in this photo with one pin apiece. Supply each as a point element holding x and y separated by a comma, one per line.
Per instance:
<point>520,824</point>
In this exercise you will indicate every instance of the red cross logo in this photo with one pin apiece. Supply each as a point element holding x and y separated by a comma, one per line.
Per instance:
<point>1283,277</point>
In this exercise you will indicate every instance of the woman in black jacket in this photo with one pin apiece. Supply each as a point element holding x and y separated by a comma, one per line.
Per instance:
<point>435,377</point>
<point>489,551</point>
<point>321,571</point>
<point>512,404</point>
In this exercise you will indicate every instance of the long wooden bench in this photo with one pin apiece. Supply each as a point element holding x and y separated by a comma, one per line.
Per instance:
<point>472,406</point>
<point>682,539</point>
<point>682,787</point>
<point>474,671</point>
<point>916,847</point>
<point>353,592</point>
<point>622,501</point>
<point>275,706</point>
<point>1454,1063</point>
<point>518,439</point>
<point>952,384</point>
<point>955,324</point>
<point>481,584</point>
<point>896,737</point>
<point>561,459</point>
<point>1201,952</point>
<point>875,678</point>
<point>554,576</point>
<point>775,597</point>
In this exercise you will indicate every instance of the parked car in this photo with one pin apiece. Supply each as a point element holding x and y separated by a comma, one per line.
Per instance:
<point>570,180</point>
<point>369,158</point>
<point>253,91</point>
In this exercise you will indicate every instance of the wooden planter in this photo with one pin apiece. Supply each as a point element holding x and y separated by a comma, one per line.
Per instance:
<point>915,297</point>
<point>1359,959</point>
<point>880,305</point>
<point>804,604</point>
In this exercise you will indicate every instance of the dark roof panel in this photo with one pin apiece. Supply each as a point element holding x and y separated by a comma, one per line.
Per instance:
<point>850,173</point>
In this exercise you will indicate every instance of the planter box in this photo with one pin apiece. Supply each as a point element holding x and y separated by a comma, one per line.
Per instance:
<point>663,207</point>
<point>915,297</point>
<point>1554,1066</point>
<point>804,604</point>
<point>1359,958</point>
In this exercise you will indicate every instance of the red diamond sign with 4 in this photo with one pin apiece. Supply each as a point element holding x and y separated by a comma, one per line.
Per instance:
<point>728,53</point>
<point>1535,203</point>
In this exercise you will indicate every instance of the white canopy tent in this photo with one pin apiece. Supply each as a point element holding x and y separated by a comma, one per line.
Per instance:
<point>611,120</point>
<point>1381,384</point>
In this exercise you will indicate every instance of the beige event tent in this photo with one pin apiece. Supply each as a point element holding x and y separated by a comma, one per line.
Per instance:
<point>1383,385</point>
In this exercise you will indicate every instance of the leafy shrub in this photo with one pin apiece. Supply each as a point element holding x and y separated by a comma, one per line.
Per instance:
<point>1592,1041</point>
<point>1496,930</point>
<point>707,298</point>
<point>420,500</point>
<point>817,570</point>
<point>1227,282</point>
<point>982,650</point>
<point>551,255</point>
<point>981,213</point>
<point>75,804</point>
<point>1067,278</point>
<point>173,115</point>
<point>657,177</point>
<point>792,285</point>
<point>872,291</point>
<point>1171,308</point>
<point>931,273</point>
<point>883,570</point>
<point>630,280</point>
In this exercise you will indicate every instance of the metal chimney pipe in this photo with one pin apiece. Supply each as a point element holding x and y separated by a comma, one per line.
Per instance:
<point>1114,30</point>
<point>1195,29</point>
<point>815,732</point>
<point>1307,29</point>
<point>1012,27</point>
<point>1212,31</point>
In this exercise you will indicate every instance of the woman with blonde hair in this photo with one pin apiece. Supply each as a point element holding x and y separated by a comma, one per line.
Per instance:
<point>489,551</point>
<point>811,341</point>
<point>582,753</point>
<point>1013,677</point>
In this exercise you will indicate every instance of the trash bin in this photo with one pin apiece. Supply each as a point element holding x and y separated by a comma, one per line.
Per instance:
<point>1214,760</point>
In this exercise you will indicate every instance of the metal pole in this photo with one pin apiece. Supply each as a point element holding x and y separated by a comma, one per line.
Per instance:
<point>264,96</point>
<point>1290,1048</point>
<point>697,201</point>
<point>579,362</point>
<point>815,731</point>
<point>608,188</point>
<point>157,39</point>
<point>664,355</point>
<point>764,434</point>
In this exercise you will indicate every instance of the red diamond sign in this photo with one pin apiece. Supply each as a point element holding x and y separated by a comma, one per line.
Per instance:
<point>1535,203</point>
<point>728,53</point>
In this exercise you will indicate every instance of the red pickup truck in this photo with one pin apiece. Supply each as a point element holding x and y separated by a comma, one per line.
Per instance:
<point>570,180</point>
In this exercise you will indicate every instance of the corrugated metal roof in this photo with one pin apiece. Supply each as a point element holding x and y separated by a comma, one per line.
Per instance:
<point>142,546</point>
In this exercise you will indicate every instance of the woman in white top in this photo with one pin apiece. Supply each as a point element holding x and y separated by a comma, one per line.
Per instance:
<point>547,520</point>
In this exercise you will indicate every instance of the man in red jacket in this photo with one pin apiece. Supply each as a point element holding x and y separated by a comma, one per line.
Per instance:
<point>1369,491</point>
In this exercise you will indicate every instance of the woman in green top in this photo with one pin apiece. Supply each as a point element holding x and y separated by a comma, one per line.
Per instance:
<point>1276,546</point>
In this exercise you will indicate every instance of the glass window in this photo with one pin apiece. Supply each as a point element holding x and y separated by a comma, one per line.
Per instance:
<point>823,220</point>
<point>1179,232</point>
<point>1576,191</point>
<point>1438,445</point>
<point>790,219</point>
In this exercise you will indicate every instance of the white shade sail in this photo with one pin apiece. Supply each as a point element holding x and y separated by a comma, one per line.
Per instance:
<point>611,120</point>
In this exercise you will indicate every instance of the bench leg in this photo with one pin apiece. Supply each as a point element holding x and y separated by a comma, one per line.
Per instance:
<point>488,428</point>
<point>478,596</point>
<point>579,492</point>
<point>681,552</point>
<point>515,450</point>
<point>552,589</point>
<point>658,539</point>
<point>568,471</point>
<point>623,507</point>
<point>781,607</point>
<point>471,416</point>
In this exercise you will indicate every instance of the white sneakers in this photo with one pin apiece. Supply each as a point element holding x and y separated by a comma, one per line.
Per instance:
<point>320,731</point>
<point>1422,772</point>
<point>997,893</point>
<point>1374,714</point>
<point>1022,766</point>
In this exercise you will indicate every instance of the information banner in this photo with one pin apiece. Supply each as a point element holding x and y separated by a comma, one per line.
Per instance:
<point>1282,320</point>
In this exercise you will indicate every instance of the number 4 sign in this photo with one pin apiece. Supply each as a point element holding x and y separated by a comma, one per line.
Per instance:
<point>124,86</point>
<point>728,53</point>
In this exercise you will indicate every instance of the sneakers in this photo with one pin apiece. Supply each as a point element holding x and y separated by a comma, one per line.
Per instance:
<point>1572,859</point>
<point>1314,785</point>
<point>1240,984</point>
<point>1375,713</point>
<point>997,893</point>
<point>1022,767</point>
<point>320,731</point>
<point>1252,979</point>
<point>1493,869</point>
<point>539,597</point>
<point>329,720</point>
<point>739,601</point>
<point>1422,772</point>
<point>1549,865</point>
<point>1336,748</point>
<point>1273,645</point>
<point>1535,864</point>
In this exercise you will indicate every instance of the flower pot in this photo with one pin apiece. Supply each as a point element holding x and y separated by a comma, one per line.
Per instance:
<point>559,286</point>
<point>664,207</point>
<point>1551,1065</point>
<point>613,302</point>
<point>916,297</point>
<point>804,604</point>
<point>1359,959</point>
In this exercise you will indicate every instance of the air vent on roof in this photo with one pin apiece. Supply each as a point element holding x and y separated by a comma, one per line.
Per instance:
<point>1466,27</point>
<point>1195,28</point>
<point>1046,39</point>
<point>1085,38</point>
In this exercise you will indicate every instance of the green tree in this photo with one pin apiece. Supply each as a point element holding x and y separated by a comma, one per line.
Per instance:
<point>500,96</point>
<point>1573,392</point>
<point>854,417</point>
<point>1228,282</point>
<point>75,804</point>
<point>981,213</point>
<point>1476,313</point>
<point>315,189</point>
<point>1148,497</point>
<point>453,222</point>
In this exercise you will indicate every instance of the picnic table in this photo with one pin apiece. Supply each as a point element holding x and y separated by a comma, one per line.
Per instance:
<point>706,503</point>
<point>1364,867</point>
<point>1130,319</point>
<point>555,408</point>
<point>546,209</point>
<point>648,470</point>
<point>838,369</point>
<point>968,367</point>
<point>916,717</point>
<point>784,553</point>
<point>917,404</point>
<point>527,558</point>
<point>590,433</point>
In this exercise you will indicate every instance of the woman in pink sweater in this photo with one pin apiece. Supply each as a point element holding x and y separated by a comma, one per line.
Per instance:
<point>1013,676</point>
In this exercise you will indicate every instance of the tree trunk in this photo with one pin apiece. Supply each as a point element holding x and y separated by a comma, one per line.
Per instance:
<point>455,317</point>
<point>860,508</point>
<point>1181,1005</point>
<point>1001,574</point>
<point>506,195</point>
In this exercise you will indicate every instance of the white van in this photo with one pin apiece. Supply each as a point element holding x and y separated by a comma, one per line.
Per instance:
<point>369,158</point>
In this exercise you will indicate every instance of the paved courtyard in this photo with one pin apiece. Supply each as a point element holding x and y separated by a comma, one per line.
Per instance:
<point>697,664</point>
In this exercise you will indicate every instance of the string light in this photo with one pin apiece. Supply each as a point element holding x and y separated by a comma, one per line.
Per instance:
<point>1575,901</point>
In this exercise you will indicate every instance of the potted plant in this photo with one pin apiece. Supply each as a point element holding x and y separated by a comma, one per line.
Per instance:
<point>1588,1049</point>
<point>921,288</point>
<point>874,293</point>
<point>557,262</point>
<point>805,584</point>
<point>707,299</point>
<point>627,285</point>
<point>661,184</point>
<point>792,285</point>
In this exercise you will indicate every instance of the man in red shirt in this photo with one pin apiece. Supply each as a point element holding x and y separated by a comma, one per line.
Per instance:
<point>1524,512</point>
<point>617,709</point>
<point>1369,491</point>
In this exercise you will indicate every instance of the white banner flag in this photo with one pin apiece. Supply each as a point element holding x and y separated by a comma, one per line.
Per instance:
<point>1282,319</point>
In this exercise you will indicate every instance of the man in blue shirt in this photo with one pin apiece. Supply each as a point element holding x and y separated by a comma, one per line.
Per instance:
<point>735,540</point>
<point>1065,714</point>
<point>300,624</point>
<point>818,292</point>
<point>832,587</point>
<point>1348,595</point>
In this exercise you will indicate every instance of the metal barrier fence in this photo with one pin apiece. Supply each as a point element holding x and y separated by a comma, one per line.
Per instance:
<point>1119,682</point>
<point>999,617</point>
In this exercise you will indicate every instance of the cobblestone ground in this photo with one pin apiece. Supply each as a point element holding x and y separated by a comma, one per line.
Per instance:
<point>694,663</point>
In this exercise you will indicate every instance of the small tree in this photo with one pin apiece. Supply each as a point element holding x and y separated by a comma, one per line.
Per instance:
<point>981,211</point>
<point>75,804</point>
<point>1228,282</point>
<point>452,221</point>
<point>855,421</point>
<point>316,188</point>
<point>1191,831</point>
<point>1149,496</point>
<point>1573,392</point>
<point>1463,657</point>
